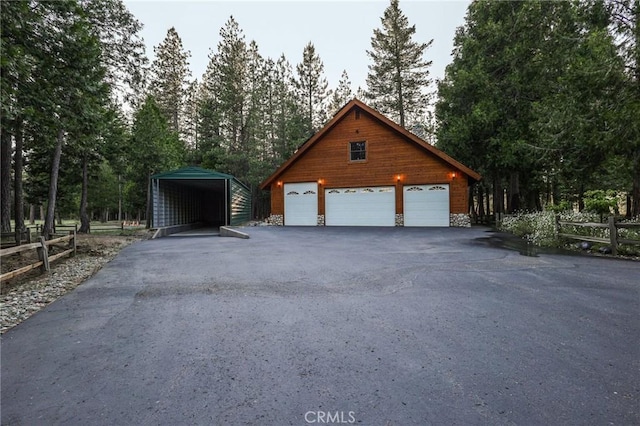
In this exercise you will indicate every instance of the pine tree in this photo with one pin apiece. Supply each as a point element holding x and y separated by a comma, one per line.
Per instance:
<point>625,15</point>
<point>170,79</point>
<point>123,50</point>
<point>312,88</point>
<point>399,76</point>
<point>190,116</point>
<point>230,65</point>
<point>341,95</point>
<point>153,148</point>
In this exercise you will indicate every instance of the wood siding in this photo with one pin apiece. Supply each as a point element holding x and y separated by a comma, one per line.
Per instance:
<point>389,155</point>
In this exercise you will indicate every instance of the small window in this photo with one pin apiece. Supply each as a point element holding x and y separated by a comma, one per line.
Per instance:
<point>357,151</point>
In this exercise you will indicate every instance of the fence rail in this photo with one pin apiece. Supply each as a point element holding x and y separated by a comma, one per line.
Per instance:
<point>42,247</point>
<point>614,239</point>
<point>19,236</point>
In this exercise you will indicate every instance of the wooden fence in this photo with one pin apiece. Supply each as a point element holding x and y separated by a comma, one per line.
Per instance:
<point>614,239</point>
<point>42,248</point>
<point>10,239</point>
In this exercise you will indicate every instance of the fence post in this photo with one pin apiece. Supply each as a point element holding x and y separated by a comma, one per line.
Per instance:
<point>613,235</point>
<point>43,255</point>
<point>72,242</point>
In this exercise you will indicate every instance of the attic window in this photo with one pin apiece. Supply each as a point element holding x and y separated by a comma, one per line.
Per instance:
<point>357,114</point>
<point>358,151</point>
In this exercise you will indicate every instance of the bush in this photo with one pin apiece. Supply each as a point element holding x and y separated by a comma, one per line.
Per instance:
<point>601,202</point>
<point>562,206</point>
<point>539,228</point>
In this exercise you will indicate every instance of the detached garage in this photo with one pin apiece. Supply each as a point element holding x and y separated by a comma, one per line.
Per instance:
<point>362,169</point>
<point>194,195</point>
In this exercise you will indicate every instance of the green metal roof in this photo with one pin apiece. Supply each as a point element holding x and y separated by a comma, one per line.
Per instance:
<point>192,173</point>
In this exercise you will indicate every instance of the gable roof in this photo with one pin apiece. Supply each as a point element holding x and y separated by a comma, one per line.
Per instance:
<point>192,173</point>
<point>351,105</point>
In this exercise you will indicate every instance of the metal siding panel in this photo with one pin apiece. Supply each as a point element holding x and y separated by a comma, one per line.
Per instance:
<point>240,204</point>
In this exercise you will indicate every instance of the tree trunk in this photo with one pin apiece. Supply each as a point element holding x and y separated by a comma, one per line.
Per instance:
<point>481,212</point>
<point>513,204</point>
<point>487,195</point>
<point>85,222</point>
<point>472,205</point>
<point>53,187</point>
<point>32,214</point>
<point>18,167</point>
<point>581,198</point>
<point>119,198</point>
<point>17,186</point>
<point>498,199</point>
<point>5,178</point>
<point>635,192</point>
<point>148,213</point>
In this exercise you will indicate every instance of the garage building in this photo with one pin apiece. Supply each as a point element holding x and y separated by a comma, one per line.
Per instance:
<point>362,169</point>
<point>195,195</point>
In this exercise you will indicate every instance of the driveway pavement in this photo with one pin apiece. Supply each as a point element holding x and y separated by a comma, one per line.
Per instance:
<point>295,326</point>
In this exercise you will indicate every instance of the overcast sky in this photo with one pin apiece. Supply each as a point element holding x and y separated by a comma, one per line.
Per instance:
<point>340,30</point>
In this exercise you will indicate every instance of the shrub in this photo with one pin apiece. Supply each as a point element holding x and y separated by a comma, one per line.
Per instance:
<point>562,206</point>
<point>539,228</point>
<point>600,202</point>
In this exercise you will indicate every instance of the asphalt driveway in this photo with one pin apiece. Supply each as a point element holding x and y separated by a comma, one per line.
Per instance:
<point>387,326</point>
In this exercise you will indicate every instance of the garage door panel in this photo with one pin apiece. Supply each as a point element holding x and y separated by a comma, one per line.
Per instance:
<point>301,204</point>
<point>371,206</point>
<point>426,205</point>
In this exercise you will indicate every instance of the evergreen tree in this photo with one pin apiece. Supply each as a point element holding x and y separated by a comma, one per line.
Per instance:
<point>399,76</point>
<point>122,48</point>
<point>153,148</point>
<point>529,98</point>
<point>190,117</point>
<point>312,88</point>
<point>625,15</point>
<point>170,79</point>
<point>230,69</point>
<point>341,95</point>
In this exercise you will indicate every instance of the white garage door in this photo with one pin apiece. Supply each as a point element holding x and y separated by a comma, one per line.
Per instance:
<point>374,206</point>
<point>426,205</point>
<point>301,204</point>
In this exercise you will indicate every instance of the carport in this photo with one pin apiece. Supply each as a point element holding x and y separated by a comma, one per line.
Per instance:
<point>195,195</point>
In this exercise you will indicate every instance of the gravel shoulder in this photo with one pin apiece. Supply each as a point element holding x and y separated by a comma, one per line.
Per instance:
<point>28,294</point>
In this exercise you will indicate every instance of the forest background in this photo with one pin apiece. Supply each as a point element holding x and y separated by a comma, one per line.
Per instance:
<point>541,98</point>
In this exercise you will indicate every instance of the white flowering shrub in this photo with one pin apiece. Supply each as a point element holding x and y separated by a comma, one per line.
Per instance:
<point>539,227</point>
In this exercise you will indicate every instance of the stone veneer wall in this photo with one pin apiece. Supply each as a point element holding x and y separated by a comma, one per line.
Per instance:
<point>276,219</point>
<point>460,220</point>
